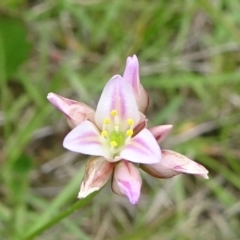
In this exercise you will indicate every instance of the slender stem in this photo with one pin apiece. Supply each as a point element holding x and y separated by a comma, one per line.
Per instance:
<point>76,206</point>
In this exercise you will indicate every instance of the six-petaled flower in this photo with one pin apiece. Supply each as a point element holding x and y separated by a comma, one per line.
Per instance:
<point>116,134</point>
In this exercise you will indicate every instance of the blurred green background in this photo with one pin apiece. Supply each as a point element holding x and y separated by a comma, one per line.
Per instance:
<point>189,54</point>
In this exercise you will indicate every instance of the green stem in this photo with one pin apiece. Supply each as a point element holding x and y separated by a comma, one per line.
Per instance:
<point>76,206</point>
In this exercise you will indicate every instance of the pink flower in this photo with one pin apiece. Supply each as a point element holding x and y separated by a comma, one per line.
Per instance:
<point>111,134</point>
<point>117,136</point>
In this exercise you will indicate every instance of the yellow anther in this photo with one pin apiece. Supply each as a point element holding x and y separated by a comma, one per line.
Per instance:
<point>130,122</point>
<point>129,133</point>
<point>106,121</point>
<point>114,113</point>
<point>104,133</point>
<point>113,143</point>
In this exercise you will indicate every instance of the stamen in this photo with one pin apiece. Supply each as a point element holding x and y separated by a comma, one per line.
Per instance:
<point>112,133</point>
<point>106,121</point>
<point>113,143</point>
<point>114,113</point>
<point>129,133</point>
<point>104,133</point>
<point>130,121</point>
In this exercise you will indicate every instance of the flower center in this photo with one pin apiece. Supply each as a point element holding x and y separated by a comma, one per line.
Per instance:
<point>115,133</point>
<point>116,138</point>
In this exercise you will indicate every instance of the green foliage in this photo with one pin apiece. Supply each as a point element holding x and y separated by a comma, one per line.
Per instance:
<point>16,47</point>
<point>189,63</point>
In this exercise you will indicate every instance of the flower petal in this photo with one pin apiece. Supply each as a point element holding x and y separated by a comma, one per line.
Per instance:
<point>117,95</point>
<point>131,72</point>
<point>75,112</point>
<point>97,173</point>
<point>142,99</point>
<point>131,75</point>
<point>142,124</point>
<point>160,132</point>
<point>142,148</point>
<point>127,181</point>
<point>85,138</point>
<point>172,164</point>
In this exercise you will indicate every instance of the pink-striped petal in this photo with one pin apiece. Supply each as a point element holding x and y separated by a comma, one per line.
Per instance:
<point>174,163</point>
<point>76,112</point>
<point>117,95</point>
<point>97,173</point>
<point>131,75</point>
<point>85,138</point>
<point>160,132</point>
<point>142,148</point>
<point>127,181</point>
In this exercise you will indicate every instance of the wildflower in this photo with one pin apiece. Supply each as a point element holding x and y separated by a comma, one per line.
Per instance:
<point>116,135</point>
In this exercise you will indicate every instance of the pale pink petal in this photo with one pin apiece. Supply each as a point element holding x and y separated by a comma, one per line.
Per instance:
<point>160,132</point>
<point>76,112</point>
<point>172,164</point>
<point>131,75</point>
<point>142,148</point>
<point>142,99</point>
<point>127,181</point>
<point>85,138</point>
<point>97,173</point>
<point>117,95</point>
